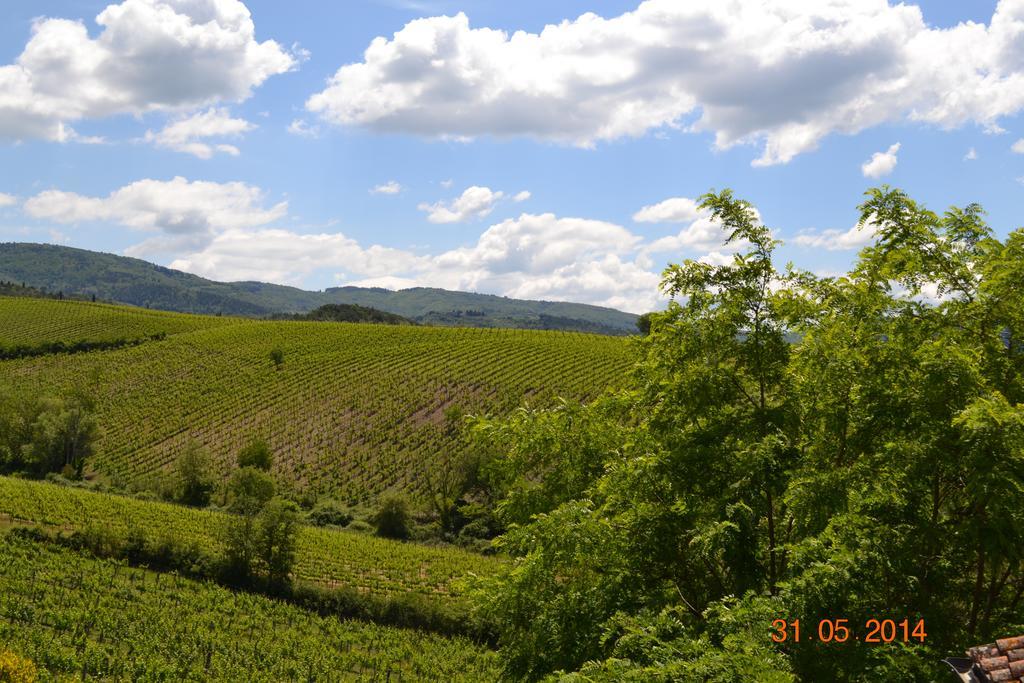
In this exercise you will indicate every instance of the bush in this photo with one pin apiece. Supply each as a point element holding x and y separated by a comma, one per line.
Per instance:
<point>392,518</point>
<point>257,454</point>
<point>330,513</point>
<point>195,476</point>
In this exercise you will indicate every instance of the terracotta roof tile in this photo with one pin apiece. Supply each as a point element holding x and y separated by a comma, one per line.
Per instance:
<point>1002,661</point>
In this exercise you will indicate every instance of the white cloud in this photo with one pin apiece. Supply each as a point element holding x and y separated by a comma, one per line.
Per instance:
<point>673,210</point>
<point>185,134</point>
<point>1018,146</point>
<point>838,240</point>
<point>149,55</point>
<point>971,155</point>
<point>535,256</point>
<point>783,74</point>
<point>301,128</point>
<point>447,183</point>
<point>474,202</point>
<point>521,196</point>
<point>881,163</point>
<point>186,215</point>
<point>702,234</point>
<point>7,199</point>
<point>390,187</point>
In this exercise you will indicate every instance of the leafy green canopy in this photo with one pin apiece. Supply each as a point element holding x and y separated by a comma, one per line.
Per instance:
<point>793,447</point>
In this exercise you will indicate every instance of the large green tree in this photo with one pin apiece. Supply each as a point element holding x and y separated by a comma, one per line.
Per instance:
<point>791,446</point>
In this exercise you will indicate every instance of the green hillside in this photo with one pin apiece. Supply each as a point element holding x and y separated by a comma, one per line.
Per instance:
<point>31,321</point>
<point>353,409</point>
<point>133,281</point>
<point>81,618</point>
<point>326,557</point>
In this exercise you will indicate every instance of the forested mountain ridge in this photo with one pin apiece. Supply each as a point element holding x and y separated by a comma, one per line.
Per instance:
<point>84,273</point>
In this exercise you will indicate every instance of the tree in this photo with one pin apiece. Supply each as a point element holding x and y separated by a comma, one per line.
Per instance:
<point>61,437</point>
<point>196,480</point>
<point>279,526</point>
<point>249,491</point>
<point>788,446</point>
<point>257,454</point>
<point>392,518</point>
<point>277,357</point>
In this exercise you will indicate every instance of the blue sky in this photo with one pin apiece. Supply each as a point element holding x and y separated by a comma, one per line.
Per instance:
<point>264,140</point>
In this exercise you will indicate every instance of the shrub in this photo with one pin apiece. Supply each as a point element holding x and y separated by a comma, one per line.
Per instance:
<point>392,518</point>
<point>257,454</point>
<point>330,513</point>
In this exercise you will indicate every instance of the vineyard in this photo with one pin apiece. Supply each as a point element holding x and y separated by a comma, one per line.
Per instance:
<point>77,617</point>
<point>353,410</point>
<point>26,321</point>
<point>325,557</point>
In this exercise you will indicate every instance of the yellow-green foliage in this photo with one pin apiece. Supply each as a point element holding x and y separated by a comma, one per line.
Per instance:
<point>101,620</point>
<point>353,410</point>
<point>327,557</point>
<point>28,321</point>
<point>15,669</point>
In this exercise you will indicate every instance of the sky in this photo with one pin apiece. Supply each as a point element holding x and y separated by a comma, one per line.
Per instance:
<point>537,149</point>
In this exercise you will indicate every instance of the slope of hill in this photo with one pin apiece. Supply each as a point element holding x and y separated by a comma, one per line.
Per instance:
<point>327,557</point>
<point>133,281</point>
<point>75,616</point>
<point>26,321</point>
<point>353,409</point>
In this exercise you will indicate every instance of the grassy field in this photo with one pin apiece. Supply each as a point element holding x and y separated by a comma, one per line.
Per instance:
<point>326,557</point>
<point>78,617</point>
<point>352,411</point>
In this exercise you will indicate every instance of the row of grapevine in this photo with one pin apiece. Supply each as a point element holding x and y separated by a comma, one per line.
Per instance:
<point>29,321</point>
<point>352,411</point>
<point>78,617</point>
<point>325,556</point>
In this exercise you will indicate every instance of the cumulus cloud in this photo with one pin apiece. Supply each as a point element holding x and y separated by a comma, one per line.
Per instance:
<point>534,256</point>
<point>302,128</point>
<point>971,155</point>
<point>838,240</point>
<point>673,210</point>
<point>1018,146</point>
<point>783,75</point>
<point>881,163</point>
<point>521,196</point>
<point>474,202</point>
<point>7,200</point>
<point>186,134</point>
<point>390,187</point>
<point>184,214</point>
<point>149,55</point>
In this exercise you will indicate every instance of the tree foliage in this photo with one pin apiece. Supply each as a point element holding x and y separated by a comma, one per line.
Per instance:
<point>791,446</point>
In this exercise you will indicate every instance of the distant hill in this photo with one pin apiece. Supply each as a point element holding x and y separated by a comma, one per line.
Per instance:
<point>83,273</point>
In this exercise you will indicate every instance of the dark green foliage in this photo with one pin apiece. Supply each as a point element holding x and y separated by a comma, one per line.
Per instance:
<point>793,447</point>
<point>42,435</point>
<point>28,351</point>
<point>277,357</point>
<point>643,323</point>
<point>393,519</point>
<point>351,313</point>
<point>257,454</point>
<point>330,512</point>
<point>196,476</point>
<point>278,527</point>
<point>132,281</point>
